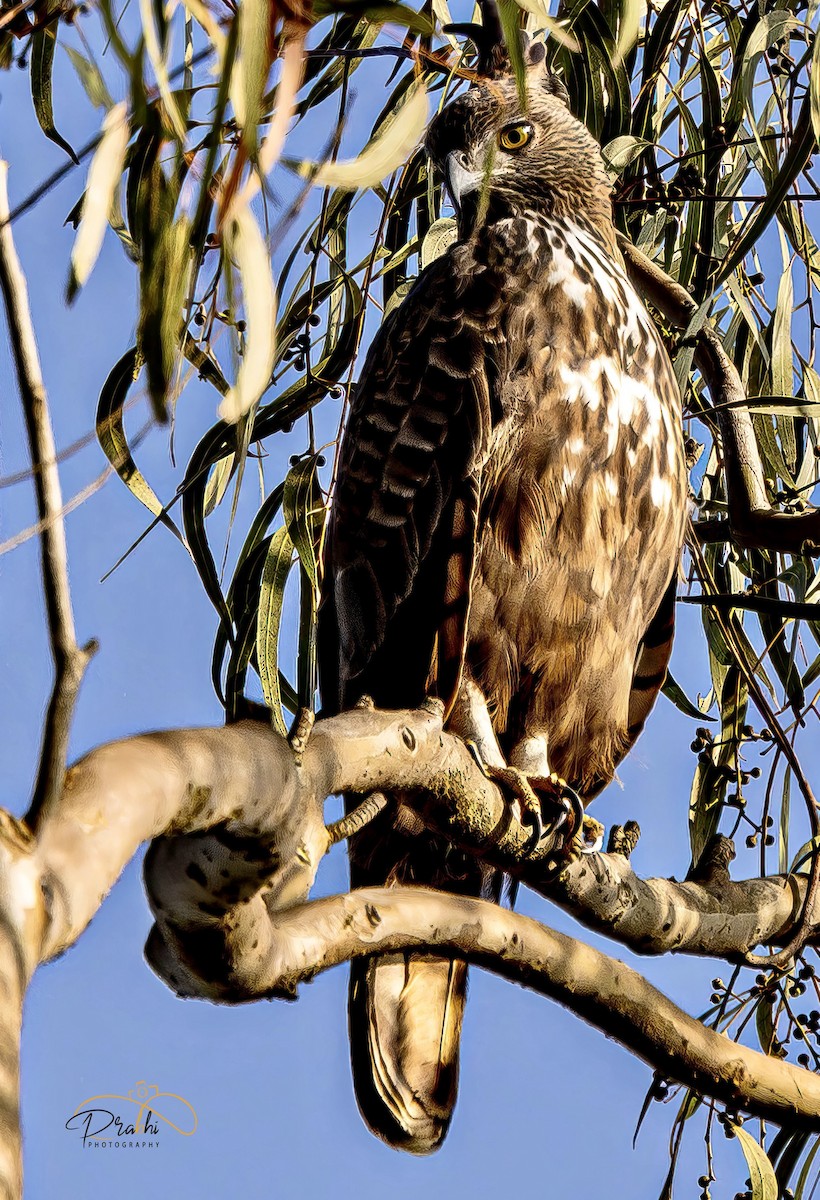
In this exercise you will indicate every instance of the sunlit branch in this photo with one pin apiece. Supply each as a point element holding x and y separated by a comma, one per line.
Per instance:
<point>70,660</point>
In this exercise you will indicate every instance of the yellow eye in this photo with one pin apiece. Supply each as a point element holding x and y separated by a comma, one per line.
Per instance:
<point>516,137</point>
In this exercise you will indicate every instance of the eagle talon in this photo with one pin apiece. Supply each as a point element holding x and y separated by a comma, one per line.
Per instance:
<point>527,791</point>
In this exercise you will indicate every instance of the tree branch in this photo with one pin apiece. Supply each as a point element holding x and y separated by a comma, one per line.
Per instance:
<point>297,944</point>
<point>238,834</point>
<point>70,661</point>
<point>206,793</point>
<point>753,521</point>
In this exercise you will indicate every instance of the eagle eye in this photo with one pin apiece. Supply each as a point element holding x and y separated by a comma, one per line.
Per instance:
<point>515,137</point>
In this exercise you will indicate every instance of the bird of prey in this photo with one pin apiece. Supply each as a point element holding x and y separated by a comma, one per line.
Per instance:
<point>505,533</point>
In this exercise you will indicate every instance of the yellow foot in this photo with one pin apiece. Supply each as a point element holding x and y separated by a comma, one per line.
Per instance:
<point>530,791</point>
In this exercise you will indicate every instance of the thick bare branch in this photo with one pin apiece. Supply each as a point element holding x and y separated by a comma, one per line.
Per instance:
<point>715,918</point>
<point>207,791</point>
<point>70,660</point>
<point>236,819</point>
<point>298,943</point>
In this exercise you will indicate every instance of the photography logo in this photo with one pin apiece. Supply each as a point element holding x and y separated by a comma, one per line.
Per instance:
<point>139,1120</point>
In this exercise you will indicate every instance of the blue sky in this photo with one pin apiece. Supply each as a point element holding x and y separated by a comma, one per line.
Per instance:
<point>548,1105</point>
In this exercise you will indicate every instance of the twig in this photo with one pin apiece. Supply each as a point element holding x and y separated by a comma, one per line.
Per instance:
<point>755,603</point>
<point>76,501</point>
<point>70,661</point>
<point>362,814</point>
<point>754,523</point>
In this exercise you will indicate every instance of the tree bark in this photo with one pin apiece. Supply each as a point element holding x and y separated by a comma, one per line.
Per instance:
<point>235,819</point>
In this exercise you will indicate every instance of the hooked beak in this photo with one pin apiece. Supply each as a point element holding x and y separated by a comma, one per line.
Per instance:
<point>460,179</point>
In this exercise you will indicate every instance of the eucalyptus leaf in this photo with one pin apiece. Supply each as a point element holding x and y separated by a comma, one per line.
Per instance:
<point>761,1172</point>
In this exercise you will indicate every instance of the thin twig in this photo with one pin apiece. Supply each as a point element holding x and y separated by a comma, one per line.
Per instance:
<point>76,501</point>
<point>70,661</point>
<point>755,603</point>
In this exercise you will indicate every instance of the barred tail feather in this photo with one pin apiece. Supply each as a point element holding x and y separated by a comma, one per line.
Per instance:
<point>405,1015</point>
<point>652,660</point>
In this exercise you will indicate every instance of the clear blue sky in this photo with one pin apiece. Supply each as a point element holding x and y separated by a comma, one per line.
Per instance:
<point>548,1105</point>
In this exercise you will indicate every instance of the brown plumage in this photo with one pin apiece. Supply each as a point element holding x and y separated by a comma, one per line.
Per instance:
<point>505,531</point>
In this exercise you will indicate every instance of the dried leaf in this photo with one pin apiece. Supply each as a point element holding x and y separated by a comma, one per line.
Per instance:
<point>388,150</point>
<point>438,239</point>
<point>103,178</point>
<point>245,243</point>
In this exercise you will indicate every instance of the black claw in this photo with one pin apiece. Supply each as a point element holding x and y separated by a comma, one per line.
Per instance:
<point>537,832</point>
<point>573,805</point>
<point>561,819</point>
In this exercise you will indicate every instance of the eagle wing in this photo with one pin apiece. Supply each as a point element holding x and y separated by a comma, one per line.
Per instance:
<point>400,545</point>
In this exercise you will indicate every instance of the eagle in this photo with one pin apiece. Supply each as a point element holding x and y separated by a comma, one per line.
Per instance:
<point>505,531</point>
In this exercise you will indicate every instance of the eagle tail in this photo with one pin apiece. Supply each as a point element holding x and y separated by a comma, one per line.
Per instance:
<point>405,1015</point>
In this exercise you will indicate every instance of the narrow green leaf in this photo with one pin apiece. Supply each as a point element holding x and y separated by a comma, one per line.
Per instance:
<point>812,673</point>
<point>43,42</point>
<point>773,27</point>
<point>166,263</point>
<point>764,1020</point>
<point>303,513</point>
<point>242,603</point>
<point>93,83</point>
<point>218,481</point>
<point>510,15</point>
<point>800,151</point>
<point>437,241</point>
<point>205,363</point>
<point>252,68</point>
<point>783,846</point>
<point>217,442</point>
<point>802,859</point>
<point>621,151</point>
<point>802,1179</point>
<point>271,599</point>
<point>307,661</point>
<point>782,348</point>
<point>112,439</point>
<point>674,692</point>
<point>814,88</point>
